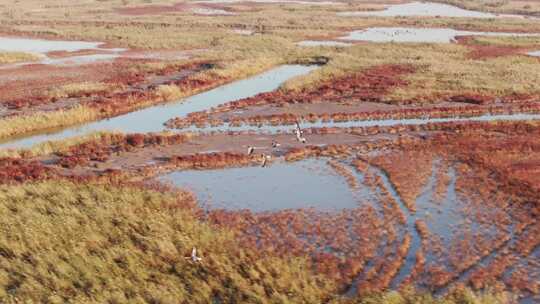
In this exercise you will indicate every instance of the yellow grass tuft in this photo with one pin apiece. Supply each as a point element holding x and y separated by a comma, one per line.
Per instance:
<point>77,89</point>
<point>40,120</point>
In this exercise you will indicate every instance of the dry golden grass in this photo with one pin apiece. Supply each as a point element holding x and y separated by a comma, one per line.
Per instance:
<point>90,243</point>
<point>169,92</point>
<point>14,57</point>
<point>441,69</point>
<point>45,120</point>
<point>101,244</point>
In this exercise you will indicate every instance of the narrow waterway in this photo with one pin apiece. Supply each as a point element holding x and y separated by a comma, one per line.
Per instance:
<point>365,123</point>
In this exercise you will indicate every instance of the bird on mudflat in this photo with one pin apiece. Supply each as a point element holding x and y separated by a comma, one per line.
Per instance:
<point>300,138</point>
<point>265,158</point>
<point>275,144</point>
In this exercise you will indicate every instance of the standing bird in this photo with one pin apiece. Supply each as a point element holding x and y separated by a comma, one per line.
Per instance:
<point>265,158</point>
<point>298,131</point>
<point>275,144</point>
<point>250,150</point>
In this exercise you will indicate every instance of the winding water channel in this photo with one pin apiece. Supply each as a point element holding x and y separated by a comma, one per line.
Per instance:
<point>151,119</point>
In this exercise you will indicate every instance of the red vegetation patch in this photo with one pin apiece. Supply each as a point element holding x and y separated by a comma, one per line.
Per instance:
<point>213,160</point>
<point>369,85</point>
<point>493,51</point>
<point>472,109</point>
<point>296,154</point>
<point>408,172</point>
<point>18,170</point>
<point>352,235</point>
<point>101,150</point>
<point>479,51</point>
<point>140,88</point>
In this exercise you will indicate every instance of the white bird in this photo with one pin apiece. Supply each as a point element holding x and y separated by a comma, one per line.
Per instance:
<point>275,144</point>
<point>194,256</point>
<point>300,138</point>
<point>250,150</point>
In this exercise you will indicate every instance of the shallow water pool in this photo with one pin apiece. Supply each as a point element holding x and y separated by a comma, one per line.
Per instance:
<point>303,184</point>
<point>425,9</point>
<point>420,35</point>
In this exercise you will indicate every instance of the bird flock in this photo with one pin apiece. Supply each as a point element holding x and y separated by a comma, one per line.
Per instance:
<point>275,145</point>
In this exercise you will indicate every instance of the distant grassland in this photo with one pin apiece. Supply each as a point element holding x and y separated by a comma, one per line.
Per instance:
<point>65,242</point>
